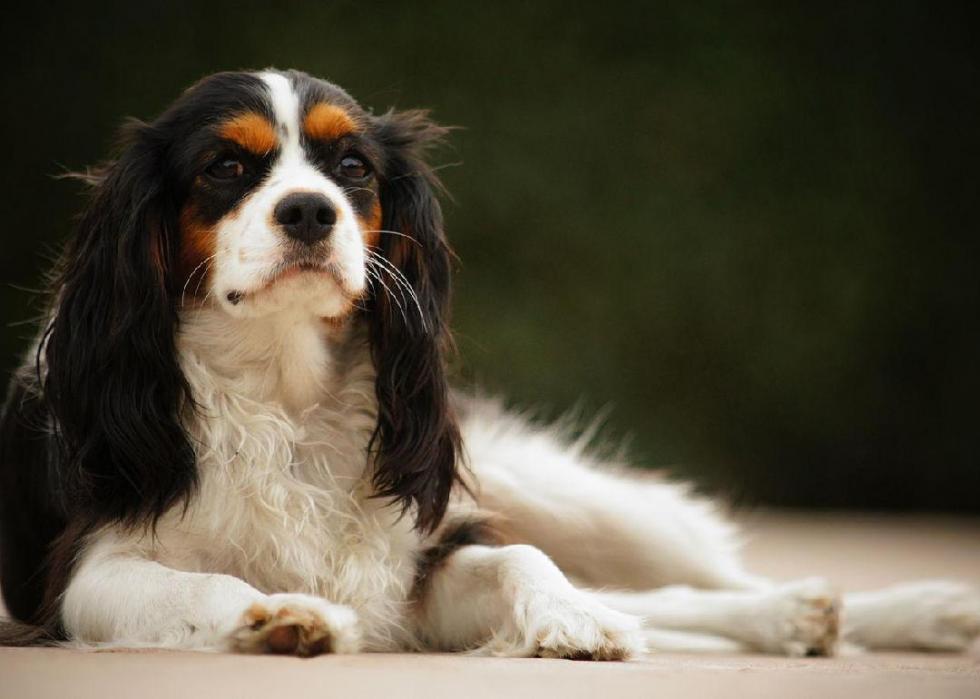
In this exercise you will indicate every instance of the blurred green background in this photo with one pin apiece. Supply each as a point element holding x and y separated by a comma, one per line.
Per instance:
<point>748,228</point>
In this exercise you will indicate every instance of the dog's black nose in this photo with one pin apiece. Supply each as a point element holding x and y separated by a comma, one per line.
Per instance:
<point>305,216</point>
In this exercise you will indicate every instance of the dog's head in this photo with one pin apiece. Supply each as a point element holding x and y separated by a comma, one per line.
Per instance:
<point>258,194</point>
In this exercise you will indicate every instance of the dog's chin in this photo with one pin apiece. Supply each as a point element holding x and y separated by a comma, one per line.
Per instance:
<point>301,290</point>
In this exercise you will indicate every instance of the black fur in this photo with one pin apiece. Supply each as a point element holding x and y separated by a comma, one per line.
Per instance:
<point>30,518</point>
<point>417,441</point>
<point>112,381</point>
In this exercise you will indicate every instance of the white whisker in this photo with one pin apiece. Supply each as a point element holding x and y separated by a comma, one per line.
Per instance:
<point>358,189</point>
<point>377,277</point>
<point>190,276</point>
<point>403,235</point>
<point>402,282</point>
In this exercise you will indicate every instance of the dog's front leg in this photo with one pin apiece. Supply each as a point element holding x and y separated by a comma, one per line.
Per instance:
<point>512,600</point>
<point>118,598</point>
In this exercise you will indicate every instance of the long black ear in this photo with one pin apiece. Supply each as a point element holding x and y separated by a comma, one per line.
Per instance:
<point>417,442</point>
<point>110,373</point>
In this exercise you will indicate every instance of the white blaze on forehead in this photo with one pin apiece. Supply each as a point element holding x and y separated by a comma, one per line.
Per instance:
<point>286,108</point>
<point>293,169</point>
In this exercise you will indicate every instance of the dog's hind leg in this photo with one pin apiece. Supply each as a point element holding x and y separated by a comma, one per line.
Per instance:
<point>934,615</point>
<point>606,526</point>
<point>798,619</point>
<point>601,524</point>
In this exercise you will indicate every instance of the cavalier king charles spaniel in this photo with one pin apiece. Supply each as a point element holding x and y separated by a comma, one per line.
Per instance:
<point>235,431</point>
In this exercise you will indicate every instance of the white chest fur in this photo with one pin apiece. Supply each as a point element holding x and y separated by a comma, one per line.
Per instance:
<point>283,420</point>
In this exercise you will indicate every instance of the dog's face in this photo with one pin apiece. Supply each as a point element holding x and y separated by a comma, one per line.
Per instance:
<point>280,208</point>
<point>257,194</point>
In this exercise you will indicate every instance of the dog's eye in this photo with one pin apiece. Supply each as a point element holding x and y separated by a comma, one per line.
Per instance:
<point>226,169</point>
<point>353,168</point>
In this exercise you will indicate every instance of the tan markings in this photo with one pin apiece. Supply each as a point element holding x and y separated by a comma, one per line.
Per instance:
<point>196,246</point>
<point>251,131</point>
<point>339,322</point>
<point>327,122</point>
<point>256,614</point>
<point>371,225</point>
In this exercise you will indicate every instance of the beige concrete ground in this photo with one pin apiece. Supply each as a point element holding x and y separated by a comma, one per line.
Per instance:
<point>856,551</point>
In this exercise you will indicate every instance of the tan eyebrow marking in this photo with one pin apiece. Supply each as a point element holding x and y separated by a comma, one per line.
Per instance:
<point>251,131</point>
<point>327,122</point>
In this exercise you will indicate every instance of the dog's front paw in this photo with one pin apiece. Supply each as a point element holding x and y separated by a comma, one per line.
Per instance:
<point>567,626</point>
<point>294,624</point>
<point>798,619</point>
<point>587,632</point>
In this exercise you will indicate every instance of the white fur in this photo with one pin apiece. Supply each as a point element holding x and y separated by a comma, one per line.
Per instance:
<point>536,477</point>
<point>793,619</point>
<point>282,535</point>
<point>924,615</point>
<point>519,603</point>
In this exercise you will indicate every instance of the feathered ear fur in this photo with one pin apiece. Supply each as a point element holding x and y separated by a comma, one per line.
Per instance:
<point>416,442</point>
<point>110,374</point>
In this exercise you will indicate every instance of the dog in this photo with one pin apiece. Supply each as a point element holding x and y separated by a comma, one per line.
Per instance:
<point>235,432</point>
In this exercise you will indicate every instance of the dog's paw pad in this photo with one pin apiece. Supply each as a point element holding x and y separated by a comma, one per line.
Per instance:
<point>297,625</point>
